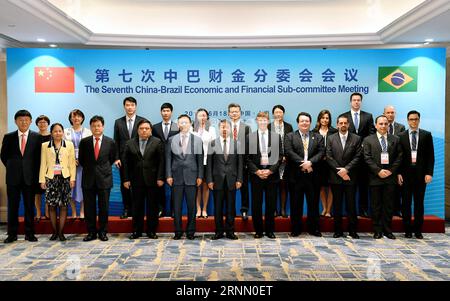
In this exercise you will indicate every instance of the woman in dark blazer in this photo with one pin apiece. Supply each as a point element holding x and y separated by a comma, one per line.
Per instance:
<point>324,128</point>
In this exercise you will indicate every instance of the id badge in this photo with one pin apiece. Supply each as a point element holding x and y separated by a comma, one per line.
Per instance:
<point>264,159</point>
<point>385,158</point>
<point>413,157</point>
<point>57,169</point>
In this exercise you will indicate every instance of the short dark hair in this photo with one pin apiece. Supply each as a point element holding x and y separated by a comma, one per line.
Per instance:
<point>278,107</point>
<point>303,114</point>
<point>22,113</point>
<point>380,116</point>
<point>76,112</point>
<point>413,112</point>
<point>234,105</point>
<point>144,121</point>
<point>130,99</point>
<point>185,115</point>
<point>42,117</point>
<point>167,105</point>
<point>356,94</point>
<point>96,118</point>
<point>341,116</point>
<point>56,124</point>
<point>224,121</point>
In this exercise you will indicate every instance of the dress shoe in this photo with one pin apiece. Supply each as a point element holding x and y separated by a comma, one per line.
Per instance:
<point>62,237</point>
<point>10,239</point>
<point>418,235</point>
<point>135,235</point>
<point>190,236</point>
<point>271,235</point>
<point>90,236</point>
<point>54,237</point>
<point>353,235</point>
<point>232,236</point>
<point>124,214</point>
<point>152,235</point>
<point>377,235</point>
<point>408,235</point>
<point>31,238</point>
<point>390,235</point>
<point>177,236</point>
<point>316,233</point>
<point>102,236</point>
<point>295,234</point>
<point>338,234</point>
<point>244,215</point>
<point>258,235</point>
<point>217,236</point>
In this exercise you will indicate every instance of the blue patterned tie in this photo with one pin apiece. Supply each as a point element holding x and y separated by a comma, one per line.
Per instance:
<point>413,141</point>
<point>383,144</point>
<point>356,122</point>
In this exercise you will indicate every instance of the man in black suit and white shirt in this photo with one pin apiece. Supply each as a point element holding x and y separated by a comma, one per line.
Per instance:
<point>224,175</point>
<point>304,150</point>
<point>416,172</point>
<point>21,155</point>
<point>97,153</point>
<point>343,157</point>
<point>383,156</point>
<point>125,128</point>
<point>144,172</point>
<point>164,130</point>
<point>361,123</point>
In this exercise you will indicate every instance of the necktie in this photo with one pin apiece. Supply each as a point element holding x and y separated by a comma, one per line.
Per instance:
<point>130,127</point>
<point>184,143</point>
<point>23,142</point>
<point>344,140</point>
<point>96,148</point>
<point>235,134</point>
<point>305,143</point>
<point>166,130</point>
<point>413,141</point>
<point>263,143</point>
<point>225,150</point>
<point>142,146</point>
<point>383,144</point>
<point>356,122</point>
<point>391,129</point>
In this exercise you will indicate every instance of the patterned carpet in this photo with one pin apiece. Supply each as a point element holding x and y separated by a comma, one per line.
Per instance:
<point>285,258</point>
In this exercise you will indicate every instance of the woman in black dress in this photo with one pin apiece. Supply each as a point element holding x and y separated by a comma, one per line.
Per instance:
<point>42,122</point>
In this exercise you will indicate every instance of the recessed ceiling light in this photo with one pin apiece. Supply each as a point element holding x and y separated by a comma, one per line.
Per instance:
<point>429,40</point>
<point>53,45</point>
<point>40,40</point>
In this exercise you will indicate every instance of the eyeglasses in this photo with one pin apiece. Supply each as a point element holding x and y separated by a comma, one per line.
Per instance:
<point>414,119</point>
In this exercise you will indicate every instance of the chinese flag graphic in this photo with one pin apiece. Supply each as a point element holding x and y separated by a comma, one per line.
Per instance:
<point>54,79</point>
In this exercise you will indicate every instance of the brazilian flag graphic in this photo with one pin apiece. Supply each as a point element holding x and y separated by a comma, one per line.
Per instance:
<point>397,79</point>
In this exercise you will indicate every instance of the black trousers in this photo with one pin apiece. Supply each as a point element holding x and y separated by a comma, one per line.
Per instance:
<point>259,187</point>
<point>345,193</point>
<point>305,187</point>
<point>191,193</point>
<point>90,209</point>
<point>413,187</point>
<point>228,198</point>
<point>362,183</point>
<point>14,192</point>
<point>245,200</point>
<point>382,197</point>
<point>126,193</point>
<point>162,200</point>
<point>145,203</point>
<point>398,198</point>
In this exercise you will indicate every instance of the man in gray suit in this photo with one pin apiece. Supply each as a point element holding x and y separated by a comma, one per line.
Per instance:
<point>184,172</point>
<point>343,157</point>
<point>224,175</point>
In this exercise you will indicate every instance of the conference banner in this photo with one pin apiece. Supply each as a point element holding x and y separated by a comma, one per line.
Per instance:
<point>55,81</point>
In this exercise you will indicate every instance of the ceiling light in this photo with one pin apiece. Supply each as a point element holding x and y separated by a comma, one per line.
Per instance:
<point>40,40</point>
<point>429,40</point>
<point>52,45</point>
<point>426,43</point>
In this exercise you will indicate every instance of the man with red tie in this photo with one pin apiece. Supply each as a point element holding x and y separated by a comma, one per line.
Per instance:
<point>97,154</point>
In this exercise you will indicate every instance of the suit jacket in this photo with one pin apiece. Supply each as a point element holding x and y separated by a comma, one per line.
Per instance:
<point>121,135</point>
<point>366,124</point>
<point>97,173</point>
<point>147,169</point>
<point>217,168</point>
<point>184,169</point>
<point>158,131</point>
<point>349,157</point>
<point>293,146</point>
<point>66,160</point>
<point>253,157</point>
<point>425,154</point>
<point>372,157</point>
<point>21,168</point>
<point>287,129</point>
<point>398,128</point>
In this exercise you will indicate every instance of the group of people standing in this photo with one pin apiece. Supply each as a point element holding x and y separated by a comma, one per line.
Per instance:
<point>359,157</point>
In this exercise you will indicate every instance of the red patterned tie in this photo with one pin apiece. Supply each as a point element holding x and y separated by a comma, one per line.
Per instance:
<point>235,134</point>
<point>22,147</point>
<point>96,148</point>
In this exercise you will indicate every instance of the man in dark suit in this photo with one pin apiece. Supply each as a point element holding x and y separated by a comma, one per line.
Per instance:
<point>343,152</point>
<point>304,150</point>
<point>97,153</point>
<point>396,129</point>
<point>144,172</point>
<point>164,130</point>
<point>416,172</point>
<point>224,175</point>
<point>184,173</point>
<point>383,156</point>
<point>361,123</point>
<point>125,128</point>
<point>263,160</point>
<point>239,132</point>
<point>21,155</point>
